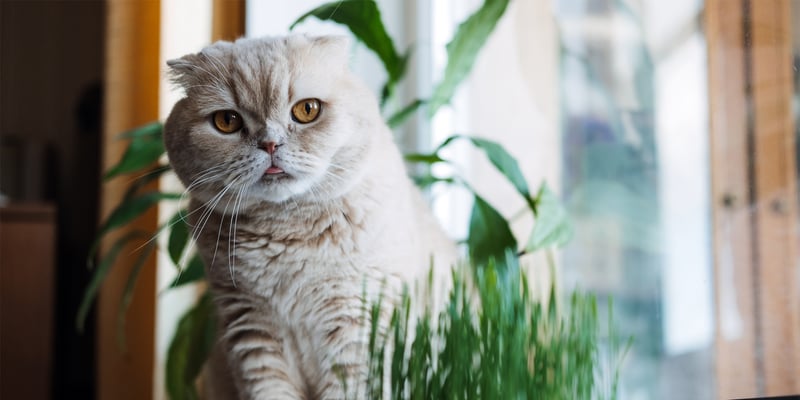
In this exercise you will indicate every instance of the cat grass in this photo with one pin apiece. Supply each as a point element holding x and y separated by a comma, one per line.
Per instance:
<point>492,339</point>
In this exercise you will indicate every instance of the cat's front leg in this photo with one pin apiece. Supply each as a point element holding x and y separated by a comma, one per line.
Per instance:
<point>256,353</point>
<point>346,362</point>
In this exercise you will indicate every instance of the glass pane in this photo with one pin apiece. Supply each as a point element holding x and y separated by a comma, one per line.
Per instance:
<point>634,109</point>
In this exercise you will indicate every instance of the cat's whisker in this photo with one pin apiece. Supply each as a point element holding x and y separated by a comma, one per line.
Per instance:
<point>156,170</point>
<point>210,175</point>
<point>183,261</point>
<point>212,172</point>
<point>209,209</point>
<point>165,227</point>
<point>162,230</point>
<point>234,181</point>
<point>171,224</point>
<point>203,177</point>
<point>232,234</point>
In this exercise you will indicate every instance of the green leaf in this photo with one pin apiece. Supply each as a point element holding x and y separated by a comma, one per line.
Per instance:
<point>502,160</point>
<point>178,236</point>
<point>190,347</point>
<point>401,116</point>
<point>424,158</point>
<point>128,210</point>
<point>363,18</point>
<point>100,274</point>
<point>151,130</point>
<point>552,227</point>
<point>145,148</point>
<point>505,163</point>
<point>489,236</point>
<point>463,49</point>
<point>193,272</point>
<point>127,293</point>
<point>423,181</point>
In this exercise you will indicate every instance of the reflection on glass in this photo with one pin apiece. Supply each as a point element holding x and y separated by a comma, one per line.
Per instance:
<point>636,181</point>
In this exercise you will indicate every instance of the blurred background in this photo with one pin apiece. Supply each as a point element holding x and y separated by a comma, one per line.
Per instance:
<point>669,129</point>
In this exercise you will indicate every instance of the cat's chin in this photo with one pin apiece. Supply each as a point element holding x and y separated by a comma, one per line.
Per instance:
<point>273,178</point>
<point>278,188</point>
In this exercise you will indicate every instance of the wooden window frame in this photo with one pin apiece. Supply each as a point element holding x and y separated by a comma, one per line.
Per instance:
<point>754,192</point>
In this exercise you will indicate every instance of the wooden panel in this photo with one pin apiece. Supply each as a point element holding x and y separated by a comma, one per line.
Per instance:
<point>131,99</point>
<point>27,270</point>
<point>775,184</point>
<point>228,19</point>
<point>735,340</point>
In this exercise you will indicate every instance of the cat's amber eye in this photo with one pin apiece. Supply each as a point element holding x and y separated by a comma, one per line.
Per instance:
<point>227,121</point>
<point>306,110</point>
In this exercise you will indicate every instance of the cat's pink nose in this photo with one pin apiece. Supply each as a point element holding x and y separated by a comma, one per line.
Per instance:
<point>269,147</point>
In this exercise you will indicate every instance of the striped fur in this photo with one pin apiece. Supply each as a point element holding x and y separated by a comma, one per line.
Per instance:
<point>293,260</point>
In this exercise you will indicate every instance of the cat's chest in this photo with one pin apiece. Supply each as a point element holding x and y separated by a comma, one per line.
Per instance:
<point>265,260</point>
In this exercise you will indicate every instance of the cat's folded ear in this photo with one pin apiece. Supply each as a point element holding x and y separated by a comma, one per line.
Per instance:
<point>187,70</point>
<point>182,70</point>
<point>332,48</point>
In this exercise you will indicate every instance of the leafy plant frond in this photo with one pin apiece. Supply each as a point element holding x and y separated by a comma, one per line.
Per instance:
<point>463,49</point>
<point>193,272</point>
<point>145,148</point>
<point>127,292</point>
<point>100,274</point>
<point>363,19</point>
<point>178,236</point>
<point>190,347</point>
<point>552,226</point>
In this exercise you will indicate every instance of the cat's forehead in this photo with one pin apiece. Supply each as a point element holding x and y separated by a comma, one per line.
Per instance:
<point>265,73</point>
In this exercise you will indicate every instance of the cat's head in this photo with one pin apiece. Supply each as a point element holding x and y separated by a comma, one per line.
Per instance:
<point>270,119</point>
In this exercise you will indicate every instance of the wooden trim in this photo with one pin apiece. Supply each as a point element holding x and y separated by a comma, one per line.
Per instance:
<point>776,190</point>
<point>734,309</point>
<point>131,99</point>
<point>753,158</point>
<point>228,20</point>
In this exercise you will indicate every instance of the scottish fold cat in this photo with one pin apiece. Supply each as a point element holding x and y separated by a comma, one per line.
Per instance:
<point>302,212</point>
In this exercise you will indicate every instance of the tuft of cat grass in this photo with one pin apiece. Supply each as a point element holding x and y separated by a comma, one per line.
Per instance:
<point>492,340</point>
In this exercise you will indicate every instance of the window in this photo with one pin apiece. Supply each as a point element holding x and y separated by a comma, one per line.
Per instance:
<point>668,130</point>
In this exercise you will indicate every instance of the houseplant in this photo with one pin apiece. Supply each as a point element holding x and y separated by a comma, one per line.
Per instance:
<point>515,344</point>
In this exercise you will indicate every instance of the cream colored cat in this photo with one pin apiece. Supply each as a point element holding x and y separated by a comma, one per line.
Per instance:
<point>301,206</point>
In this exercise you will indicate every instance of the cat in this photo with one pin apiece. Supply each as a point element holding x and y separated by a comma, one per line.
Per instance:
<point>302,212</point>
